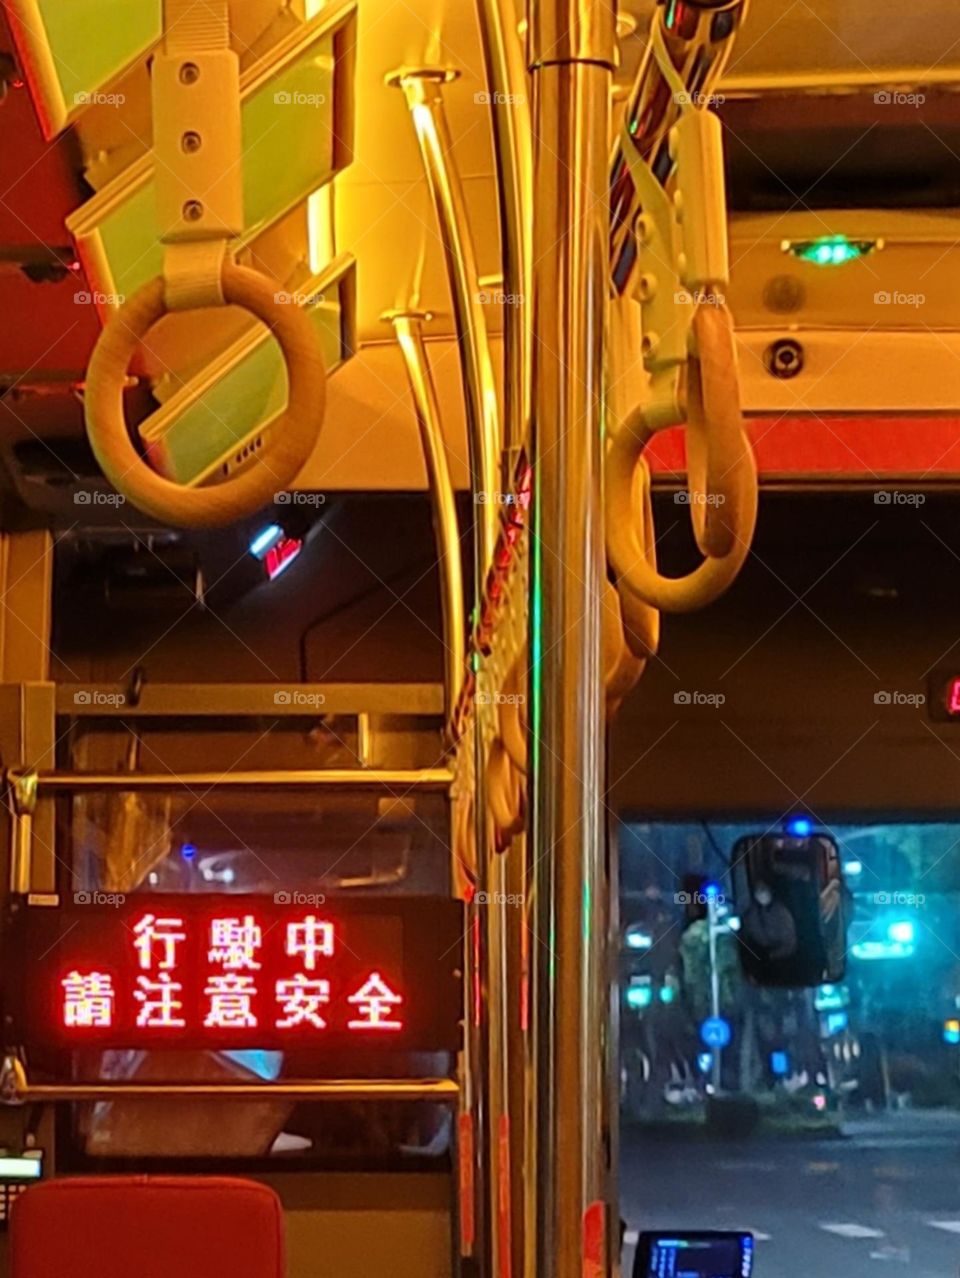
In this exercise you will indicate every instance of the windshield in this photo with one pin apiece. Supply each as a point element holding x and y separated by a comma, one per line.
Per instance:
<point>825,1120</point>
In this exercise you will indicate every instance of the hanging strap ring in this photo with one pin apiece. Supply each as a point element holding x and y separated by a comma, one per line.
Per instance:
<point>197,144</point>
<point>640,622</point>
<point>715,437</point>
<point>621,668</point>
<point>505,793</point>
<point>291,439</point>
<point>724,467</point>
<point>512,714</point>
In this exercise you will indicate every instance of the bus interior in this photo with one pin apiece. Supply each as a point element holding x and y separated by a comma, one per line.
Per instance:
<point>479,661</point>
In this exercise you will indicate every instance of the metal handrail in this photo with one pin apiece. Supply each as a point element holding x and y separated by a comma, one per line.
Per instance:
<point>408,327</point>
<point>445,1090</point>
<point>353,778</point>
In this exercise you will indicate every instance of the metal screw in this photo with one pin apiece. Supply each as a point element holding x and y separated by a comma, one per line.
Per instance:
<point>192,211</point>
<point>191,142</point>
<point>189,73</point>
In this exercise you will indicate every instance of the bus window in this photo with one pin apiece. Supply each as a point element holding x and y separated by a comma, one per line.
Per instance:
<point>824,1119</point>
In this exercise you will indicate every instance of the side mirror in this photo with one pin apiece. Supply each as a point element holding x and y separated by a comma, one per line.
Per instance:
<point>793,907</point>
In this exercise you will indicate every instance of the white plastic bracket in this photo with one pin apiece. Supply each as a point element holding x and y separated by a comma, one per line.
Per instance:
<point>198,149</point>
<point>198,145</point>
<point>681,242</point>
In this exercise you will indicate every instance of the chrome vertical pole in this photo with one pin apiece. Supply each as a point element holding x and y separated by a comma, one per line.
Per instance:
<point>571,55</point>
<point>408,327</point>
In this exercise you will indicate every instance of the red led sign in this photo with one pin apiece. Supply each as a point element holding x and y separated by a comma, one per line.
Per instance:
<point>943,695</point>
<point>237,971</point>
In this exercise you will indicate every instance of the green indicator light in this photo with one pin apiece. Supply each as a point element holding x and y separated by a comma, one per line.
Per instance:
<point>832,250</point>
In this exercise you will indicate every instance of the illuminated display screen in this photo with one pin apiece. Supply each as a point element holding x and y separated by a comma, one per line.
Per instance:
<point>943,699</point>
<point>694,1255</point>
<point>232,972</point>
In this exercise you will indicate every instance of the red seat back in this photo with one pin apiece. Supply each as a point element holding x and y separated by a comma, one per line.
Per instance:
<point>147,1227</point>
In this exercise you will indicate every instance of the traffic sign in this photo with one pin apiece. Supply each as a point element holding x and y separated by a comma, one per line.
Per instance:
<point>715,1032</point>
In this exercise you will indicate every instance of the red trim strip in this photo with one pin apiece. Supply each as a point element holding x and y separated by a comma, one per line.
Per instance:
<point>828,446</point>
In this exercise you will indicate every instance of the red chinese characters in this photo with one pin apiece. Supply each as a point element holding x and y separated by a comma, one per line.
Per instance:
<point>157,942</point>
<point>88,999</point>
<point>375,1003</point>
<point>301,1001</point>
<point>230,976</point>
<point>234,943</point>
<point>160,1002</point>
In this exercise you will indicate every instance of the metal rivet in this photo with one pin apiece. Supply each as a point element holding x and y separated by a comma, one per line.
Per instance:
<point>192,211</point>
<point>191,142</point>
<point>189,73</point>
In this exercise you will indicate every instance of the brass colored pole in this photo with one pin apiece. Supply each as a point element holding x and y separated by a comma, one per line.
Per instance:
<point>571,58</point>
<point>341,1089</point>
<point>423,91</point>
<point>408,326</point>
<point>345,778</point>
<point>513,146</point>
